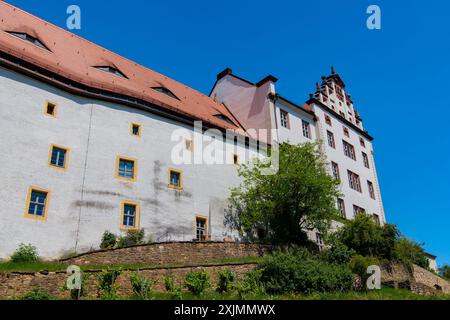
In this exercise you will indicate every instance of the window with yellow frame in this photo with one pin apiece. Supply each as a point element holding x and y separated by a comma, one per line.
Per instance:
<point>175,179</point>
<point>129,215</point>
<point>37,203</point>
<point>50,109</point>
<point>136,129</point>
<point>126,168</point>
<point>58,157</point>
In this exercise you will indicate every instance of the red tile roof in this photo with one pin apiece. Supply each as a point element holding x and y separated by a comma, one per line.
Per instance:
<point>75,58</point>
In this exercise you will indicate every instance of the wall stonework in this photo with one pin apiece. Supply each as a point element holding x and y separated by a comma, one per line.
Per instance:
<point>14,285</point>
<point>171,252</point>
<point>430,280</point>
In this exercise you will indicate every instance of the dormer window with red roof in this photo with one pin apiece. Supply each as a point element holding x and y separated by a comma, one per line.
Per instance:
<point>112,70</point>
<point>165,91</point>
<point>28,38</point>
<point>224,118</point>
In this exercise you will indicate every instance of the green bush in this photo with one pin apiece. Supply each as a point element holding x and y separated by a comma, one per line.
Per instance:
<point>142,286</point>
<point>445,272</point>
<point>297,271</point>
<point>132,238</point>
<point>226,280</point>
<point>109,240</point>
<point>359,265</point>
<point>251,284</point>
<point>174,290</point>
<point>338,253</point>
<point>26,253</point>
<point>410,252</point>
<point>197,282</point>
<point>37,294</point>
<point>367,238</point>
<point>108,289</point>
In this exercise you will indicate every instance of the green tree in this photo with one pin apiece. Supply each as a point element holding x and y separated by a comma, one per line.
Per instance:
<point>367,238</point>
<point>445,272</point>
<point>409,252</point>
<point>280,207</point>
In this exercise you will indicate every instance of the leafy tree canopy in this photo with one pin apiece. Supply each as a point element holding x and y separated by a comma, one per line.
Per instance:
<point>300,196</point>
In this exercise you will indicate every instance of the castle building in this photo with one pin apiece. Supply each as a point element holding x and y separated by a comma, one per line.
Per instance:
<point>94,142</point>
<point>329,117</point>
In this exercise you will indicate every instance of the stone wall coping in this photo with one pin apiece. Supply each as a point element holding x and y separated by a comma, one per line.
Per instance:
<point>162,243</point>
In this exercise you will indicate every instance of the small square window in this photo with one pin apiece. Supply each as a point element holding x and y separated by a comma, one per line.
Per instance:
<point>58,157</point>
<point>136,129</point>
<point>175,181</point>
<point>362,142</point>
<point>346,132</point>
<point>130,215</point>
<point>126,168</point>
<point>37,204</point>
<point>328,120</point>
<point>50,109</point>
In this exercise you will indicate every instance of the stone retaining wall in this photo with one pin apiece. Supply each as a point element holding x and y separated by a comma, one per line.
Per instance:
<point>171,252</point>
<point>14,285</point>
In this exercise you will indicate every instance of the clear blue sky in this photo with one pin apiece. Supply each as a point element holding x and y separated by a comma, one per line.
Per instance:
<point>399,77</point>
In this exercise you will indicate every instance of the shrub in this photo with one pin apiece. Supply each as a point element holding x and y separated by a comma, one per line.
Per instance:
<point>226,279</point>
<point>26,253</point>
<point>142,287</point>
<point>132,238</point>
<point>445,272</point>
<point>367,238</point>
<point>108,289</point>
<point>197,282</point>
<point>109,240</point>
<point>338,253</point>
<point>410,252</point>
<point>37,294</point>
<point>359,265</point>
<point>174,290</point>
<point>297,271</point>
<point>251,284</point>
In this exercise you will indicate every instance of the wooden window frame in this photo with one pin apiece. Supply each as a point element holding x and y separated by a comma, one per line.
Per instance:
<point>66,158</point>
<point>331,135</point>
<point>337,174</point>
<point>171,186</point>
<point>28,204</point>
<point>371,188</point>
<point>285,113</point>
<point>366,160</point>
<point>342,212</point>
<point>306,128</point>
<point>137,216</point>
<point>354,184</point>
<point>206,219</point>
<point>135,168</point>
<point>349,151</point>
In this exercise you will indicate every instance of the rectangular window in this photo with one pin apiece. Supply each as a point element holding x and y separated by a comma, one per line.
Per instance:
<point>362,142</point>
<point>126,168</point>
<point>341,207</point>
<point>236,159</point>
<point>37,204</point>
<point>136,129</point>
<point>175,179</point>
<point>58,157</point>
<point>371,189</point>
<point>328,120</point>
<point>335,168</point>
<point>50,108</point>
<point>358,210</point>
<point>346,132</point>
<point>130,215</point>
<point>319,241</point>
<point>331,142</point>
<point>201,229</point>
<point>284,118</point>
<point>349,150</point>
<point>366,160</point>
<point>306,129</point>
<point>354,181</point>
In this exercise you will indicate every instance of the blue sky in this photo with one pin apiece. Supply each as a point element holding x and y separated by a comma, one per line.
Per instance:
<point>398,76</point>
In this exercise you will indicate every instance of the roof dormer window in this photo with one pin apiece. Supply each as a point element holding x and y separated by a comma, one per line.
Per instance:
<point>224,118</point>
<point>165,91</point>
<point>28,38</point>
<point>112,70</point>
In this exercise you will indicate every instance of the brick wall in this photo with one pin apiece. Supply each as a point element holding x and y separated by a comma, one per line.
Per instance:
<point>171,252</point>
<point>13,285</point>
